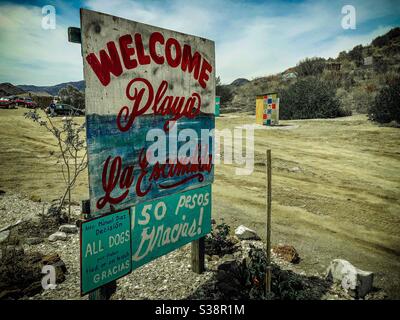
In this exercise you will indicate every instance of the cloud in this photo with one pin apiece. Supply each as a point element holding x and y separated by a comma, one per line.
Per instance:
<point>257,38</point>
<point>253,38</point>
<point>32,55</point>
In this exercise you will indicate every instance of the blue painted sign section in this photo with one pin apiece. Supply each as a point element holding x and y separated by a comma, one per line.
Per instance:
<point>163,225</point>
<point>132,180</point>
<point>105,250</point>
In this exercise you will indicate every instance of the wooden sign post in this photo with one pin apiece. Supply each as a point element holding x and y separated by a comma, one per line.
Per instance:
<point>268,224</point>
<point>147,90</point>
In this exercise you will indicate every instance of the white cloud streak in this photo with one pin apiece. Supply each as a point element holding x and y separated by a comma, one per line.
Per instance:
<point>32,55</point>
<point>252,39</point>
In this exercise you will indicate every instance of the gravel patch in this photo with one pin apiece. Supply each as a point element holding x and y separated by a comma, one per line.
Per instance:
<point>168,277</point>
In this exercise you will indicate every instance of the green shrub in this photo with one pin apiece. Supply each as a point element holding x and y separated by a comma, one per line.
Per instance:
<point>356,55</point>
<point>386,107</point>
<point>218,241</point>
<point>386,38</point>
<point>309,98</point>
<point>363,99</point>
<point>223,91</point>
<point>346,100</point>
<point>310,67</point>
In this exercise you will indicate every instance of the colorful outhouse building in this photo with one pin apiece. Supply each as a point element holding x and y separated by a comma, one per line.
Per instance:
<point>267,109</point>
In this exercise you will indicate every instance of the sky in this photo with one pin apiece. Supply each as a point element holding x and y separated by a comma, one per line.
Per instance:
<point>252,38</point>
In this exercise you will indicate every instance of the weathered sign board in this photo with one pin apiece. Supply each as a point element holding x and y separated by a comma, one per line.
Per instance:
<point>105,249</point>
<point>162,225</point>
<point>149,92</point>
<point>139,77</point>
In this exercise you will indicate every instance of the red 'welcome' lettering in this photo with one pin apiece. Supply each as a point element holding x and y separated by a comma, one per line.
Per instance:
<point>110,63</point>
<point>190,62</point>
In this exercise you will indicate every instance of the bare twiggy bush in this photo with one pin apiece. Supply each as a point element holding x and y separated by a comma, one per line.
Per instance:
<point>71,144</point>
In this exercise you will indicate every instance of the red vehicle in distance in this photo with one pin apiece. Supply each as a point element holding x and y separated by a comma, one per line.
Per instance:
<point>6,103</point>
<point>24,102</point>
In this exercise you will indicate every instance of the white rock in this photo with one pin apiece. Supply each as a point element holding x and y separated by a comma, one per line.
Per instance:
<point>354,281</point>
<point>68,228</point>
<point>7,227</point>
<point>4,236</point>
<point>244,233</point>
<point>58,236</point>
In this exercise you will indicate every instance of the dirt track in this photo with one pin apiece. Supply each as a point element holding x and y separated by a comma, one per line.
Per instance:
<point>336,187</point>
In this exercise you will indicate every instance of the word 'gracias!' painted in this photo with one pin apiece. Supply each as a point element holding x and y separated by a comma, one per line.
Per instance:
<point>140,78</point>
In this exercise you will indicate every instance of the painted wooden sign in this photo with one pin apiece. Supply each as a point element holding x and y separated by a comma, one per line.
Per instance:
<point>141,78</point>
<point>105,250</point>
<point>165,224</point>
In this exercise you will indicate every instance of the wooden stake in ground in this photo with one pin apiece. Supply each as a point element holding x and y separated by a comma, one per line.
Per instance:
<point>268,204</point>
<point>198,255</point>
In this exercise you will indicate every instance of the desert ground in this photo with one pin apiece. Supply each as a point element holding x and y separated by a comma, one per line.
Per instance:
<point>336,186</point>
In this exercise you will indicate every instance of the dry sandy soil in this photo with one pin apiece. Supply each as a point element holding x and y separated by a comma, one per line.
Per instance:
<point>336,187</point>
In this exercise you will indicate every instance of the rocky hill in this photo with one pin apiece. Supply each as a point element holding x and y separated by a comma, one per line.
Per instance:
<point>7,89</point>
<point>357,74</point>
<point>53,90</point>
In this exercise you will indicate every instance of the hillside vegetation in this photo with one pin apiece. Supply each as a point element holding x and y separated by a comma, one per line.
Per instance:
<point>355,79</point>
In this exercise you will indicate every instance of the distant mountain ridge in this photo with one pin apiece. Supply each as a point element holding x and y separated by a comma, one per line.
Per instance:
<point>53,90</point>
<point>7,89</point>
<point>239,82</point>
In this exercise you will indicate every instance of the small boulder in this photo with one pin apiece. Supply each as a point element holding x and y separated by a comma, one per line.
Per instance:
<point>4,236</point>
<point>355,282</point>
<point>287,253</point>
<point>244,233</point>
<point>58,236</point>
<point>68,228</point>
<point>35,198</point>
<point>7,227</point>
<point>33,240</point>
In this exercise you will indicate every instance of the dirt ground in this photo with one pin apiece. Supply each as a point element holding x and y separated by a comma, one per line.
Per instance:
<point>336,186</point>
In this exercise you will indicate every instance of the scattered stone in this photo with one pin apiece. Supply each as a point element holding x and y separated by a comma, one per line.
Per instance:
<point>295,169</point>
<point>35,198</point>
<point>68,228</point>
<point>33,240</point>
<point>287,253</point>
<point>58,264</point>
<point>7,227</point>
<point>4,236</point>
<point>18,222</point>
<point>214,257</point>
<point>357,283</point>
<point>58,236</point>
<point>228,257</point>
<point>244,233</point>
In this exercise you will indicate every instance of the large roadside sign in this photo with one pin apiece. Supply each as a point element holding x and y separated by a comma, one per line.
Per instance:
<point>140,78</point>
<point>150,115</point>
